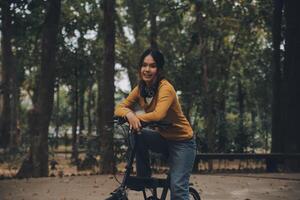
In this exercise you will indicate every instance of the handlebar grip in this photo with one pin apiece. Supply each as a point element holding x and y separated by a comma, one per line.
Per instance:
<point>119,120</point>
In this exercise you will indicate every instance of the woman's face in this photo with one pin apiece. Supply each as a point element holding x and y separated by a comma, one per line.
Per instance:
<point>148,70</point>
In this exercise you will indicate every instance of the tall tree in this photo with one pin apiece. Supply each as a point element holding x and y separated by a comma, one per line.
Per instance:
<point>39,116</point>
<point>7,57</point>
<point>9,111</point>
<point>107,90</point>
<point>75,110</point>
<point>153,26</point>
<point>277,144</point>
<point>241,138</point>
<point>292,69</point>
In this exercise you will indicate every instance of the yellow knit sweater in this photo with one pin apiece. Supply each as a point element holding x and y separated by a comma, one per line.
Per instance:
<point>163,107</point>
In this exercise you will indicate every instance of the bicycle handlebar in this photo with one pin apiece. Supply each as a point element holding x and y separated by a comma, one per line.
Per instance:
<point>160,124</point>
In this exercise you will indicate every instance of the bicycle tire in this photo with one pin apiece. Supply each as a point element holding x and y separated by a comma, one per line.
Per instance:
<point>193,192</point>
<point>117,198</point>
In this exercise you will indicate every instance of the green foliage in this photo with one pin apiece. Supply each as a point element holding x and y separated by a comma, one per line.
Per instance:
<point>232,39</point>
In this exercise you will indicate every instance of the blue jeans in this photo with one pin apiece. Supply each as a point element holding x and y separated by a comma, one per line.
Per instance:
<point>181,156</point>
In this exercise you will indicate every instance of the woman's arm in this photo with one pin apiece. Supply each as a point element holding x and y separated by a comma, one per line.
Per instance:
<point>126,105</point>
<point>124,109</point>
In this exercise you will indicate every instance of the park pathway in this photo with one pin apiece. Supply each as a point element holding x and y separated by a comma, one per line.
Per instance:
<point>212,187</point>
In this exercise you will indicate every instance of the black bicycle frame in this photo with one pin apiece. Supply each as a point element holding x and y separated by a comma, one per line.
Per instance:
<point>140,183</point>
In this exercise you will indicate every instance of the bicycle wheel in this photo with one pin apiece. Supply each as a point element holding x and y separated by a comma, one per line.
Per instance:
<point>193,194</point>
<point>118,195</point>
<point>117,198</point>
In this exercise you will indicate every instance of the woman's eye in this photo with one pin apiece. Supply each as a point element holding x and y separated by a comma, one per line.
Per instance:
<point>152,65</point>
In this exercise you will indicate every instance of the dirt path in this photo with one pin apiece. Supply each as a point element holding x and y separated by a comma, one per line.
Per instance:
<point>212,187</point>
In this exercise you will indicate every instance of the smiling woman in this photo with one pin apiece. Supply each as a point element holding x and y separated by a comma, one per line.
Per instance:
<point>158,98</point>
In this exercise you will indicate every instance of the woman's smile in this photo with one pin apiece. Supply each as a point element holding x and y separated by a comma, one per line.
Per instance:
<point>147,76</point>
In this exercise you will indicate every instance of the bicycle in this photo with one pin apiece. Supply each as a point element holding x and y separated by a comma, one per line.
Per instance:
<point>142,183</point>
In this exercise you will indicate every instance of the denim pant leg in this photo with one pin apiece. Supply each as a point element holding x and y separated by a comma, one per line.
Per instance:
<point>148,140</point>
<point>182,156</point>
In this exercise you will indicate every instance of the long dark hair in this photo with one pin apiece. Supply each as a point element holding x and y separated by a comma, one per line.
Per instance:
<point>159,61</point>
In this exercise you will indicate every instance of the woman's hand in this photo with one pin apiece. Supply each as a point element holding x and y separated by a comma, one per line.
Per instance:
<point>134,122</point>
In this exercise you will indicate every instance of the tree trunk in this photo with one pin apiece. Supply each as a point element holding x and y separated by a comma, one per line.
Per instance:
<point>82,89</point>
<point>74,156</point>
<point>153,26</point>
<point>89,109</point>
<point>7,56</point>
<point>137,25</point>
<point>209,97</point>
<point>241,138</point>
<point>14,109</point>
<point>221,102</point>
<point>265,127</point>
<point>277,122</point>
<point>276,78</point>
<point>39,116</point>
<point>253,129</point>
<point>210,123</point>
<point>107,103</point>
<point>57,120</point>
<point>187,104</point>
<point>292,63</point>
<point>222,126</point>
<point>10,115</point>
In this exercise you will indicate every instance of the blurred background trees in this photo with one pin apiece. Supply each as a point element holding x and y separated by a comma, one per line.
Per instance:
<point>233,64</point>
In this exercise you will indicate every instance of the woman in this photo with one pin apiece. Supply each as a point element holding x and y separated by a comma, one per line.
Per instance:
<point>158,99</point>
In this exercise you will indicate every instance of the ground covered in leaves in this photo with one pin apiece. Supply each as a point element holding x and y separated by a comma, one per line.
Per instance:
<point>277,186</point>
